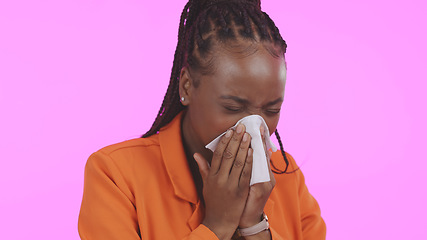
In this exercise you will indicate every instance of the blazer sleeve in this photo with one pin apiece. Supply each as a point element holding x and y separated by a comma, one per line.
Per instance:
<point>107,210</point>
<point>108,206</point>
<point>313,225</point>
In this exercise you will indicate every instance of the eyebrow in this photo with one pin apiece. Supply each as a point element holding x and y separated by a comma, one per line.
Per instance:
<point>235,98</point>
<point>245,101</point>
<point>279,100</point>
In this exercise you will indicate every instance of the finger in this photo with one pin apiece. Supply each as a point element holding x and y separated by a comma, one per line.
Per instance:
<point>240,160</point>
<point>262,130</point>
<point>203,165</point>
<point>245,176</point>
<point>272,179</point>
<point>219,151</point>
<point>269,154</point>
<point>230,152</point>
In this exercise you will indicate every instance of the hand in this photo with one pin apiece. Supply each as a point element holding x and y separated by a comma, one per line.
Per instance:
<point>258,196</point>
<point>226,182</point>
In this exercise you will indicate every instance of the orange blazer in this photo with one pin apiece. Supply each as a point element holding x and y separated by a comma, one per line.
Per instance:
<point>143,189</point>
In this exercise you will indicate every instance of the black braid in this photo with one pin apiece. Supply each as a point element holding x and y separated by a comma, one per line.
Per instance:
<point>169,106</point>
<point>203,24</point>
<point>276,170</point>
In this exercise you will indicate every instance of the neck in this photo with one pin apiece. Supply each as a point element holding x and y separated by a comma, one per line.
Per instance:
<point>192,143</point>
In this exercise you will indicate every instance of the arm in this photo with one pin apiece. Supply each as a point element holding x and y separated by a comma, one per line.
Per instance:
<point>313,226</point>
<point>108,206</point>
<point>107,210</point>
<point>307,211</point>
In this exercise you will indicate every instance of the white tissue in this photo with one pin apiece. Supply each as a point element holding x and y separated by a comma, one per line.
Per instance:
<point>260,172</point>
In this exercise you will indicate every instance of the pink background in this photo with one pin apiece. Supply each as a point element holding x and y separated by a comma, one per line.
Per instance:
<point>79,75</point>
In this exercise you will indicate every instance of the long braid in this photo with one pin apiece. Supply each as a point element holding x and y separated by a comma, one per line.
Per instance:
<point>203,24</point>
<point>275,33</point>
<point>276,170</point>
<point>162,116</point>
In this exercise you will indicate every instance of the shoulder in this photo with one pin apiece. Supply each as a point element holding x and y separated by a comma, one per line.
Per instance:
<point>136,144</point>
<point>126,154</point>
<point>293,177</point>
<point>278,161</point>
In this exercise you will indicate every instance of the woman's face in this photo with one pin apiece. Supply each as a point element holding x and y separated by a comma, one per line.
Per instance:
<point>242,84</point>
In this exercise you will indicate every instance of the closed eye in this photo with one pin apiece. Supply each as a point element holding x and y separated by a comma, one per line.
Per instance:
<point>273,111</point>
<point>233,109</point>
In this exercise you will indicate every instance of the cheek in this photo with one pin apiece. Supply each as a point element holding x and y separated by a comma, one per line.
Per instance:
<point>208,121</point>
<point>219,123</point>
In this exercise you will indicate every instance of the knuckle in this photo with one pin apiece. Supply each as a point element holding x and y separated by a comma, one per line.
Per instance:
<point>217,154</point>
<point>240,194</point>
<point>220,182</point>
<point>235,137</point>
<point>224,141</point>
<point>244,185</point>
<point>228,154</point>
<point>230,191</point>
<point>238,163</point>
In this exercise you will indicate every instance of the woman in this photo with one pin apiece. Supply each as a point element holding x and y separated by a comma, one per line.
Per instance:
<point>229,63</point>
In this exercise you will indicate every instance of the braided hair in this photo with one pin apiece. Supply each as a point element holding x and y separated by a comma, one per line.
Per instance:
<point>203,24</point>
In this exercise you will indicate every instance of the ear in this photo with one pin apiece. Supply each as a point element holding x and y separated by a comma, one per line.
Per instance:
<point>185,86</point>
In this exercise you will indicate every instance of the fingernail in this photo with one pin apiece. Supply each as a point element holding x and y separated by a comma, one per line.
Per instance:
<point>245,137</point>
<point>228,134</point>
<point>196,158</point>
<point>250,152</point>
<point>239,128</point>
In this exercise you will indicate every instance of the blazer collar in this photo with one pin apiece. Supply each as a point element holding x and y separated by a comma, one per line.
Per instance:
<point>175,160</point>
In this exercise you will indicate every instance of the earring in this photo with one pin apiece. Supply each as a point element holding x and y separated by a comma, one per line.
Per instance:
<point>182,99</point>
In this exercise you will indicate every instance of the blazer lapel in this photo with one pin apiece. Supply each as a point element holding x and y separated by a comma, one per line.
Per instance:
<point>176,162</point>
<point>197,216</point>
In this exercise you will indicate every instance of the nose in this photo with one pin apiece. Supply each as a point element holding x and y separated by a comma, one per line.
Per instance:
<point>255,112</point>
<point>270,121</point>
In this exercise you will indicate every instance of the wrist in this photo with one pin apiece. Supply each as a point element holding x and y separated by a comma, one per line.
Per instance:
<point>221,231</point>
<point>251,222</point>
<point>257,228</point>
<point>264,235</point>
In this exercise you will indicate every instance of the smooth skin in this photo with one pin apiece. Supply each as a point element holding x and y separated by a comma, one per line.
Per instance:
<point>242,84</point>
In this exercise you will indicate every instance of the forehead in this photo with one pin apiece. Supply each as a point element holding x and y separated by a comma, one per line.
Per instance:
<point>256,61</point>
<point>248,71</point>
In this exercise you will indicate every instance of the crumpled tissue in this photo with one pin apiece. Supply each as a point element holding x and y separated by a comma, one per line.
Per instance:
<point>260,172</point>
